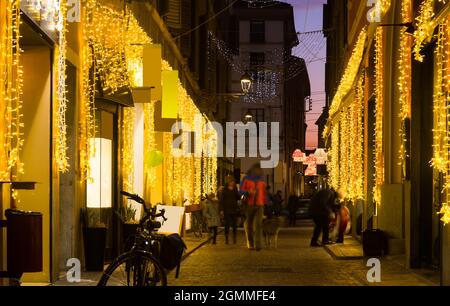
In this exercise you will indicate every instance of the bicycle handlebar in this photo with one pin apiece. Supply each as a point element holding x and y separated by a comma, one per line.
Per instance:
<point>140,200</point>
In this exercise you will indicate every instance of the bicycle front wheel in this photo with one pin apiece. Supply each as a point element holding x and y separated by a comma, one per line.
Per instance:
<point>135,269</point>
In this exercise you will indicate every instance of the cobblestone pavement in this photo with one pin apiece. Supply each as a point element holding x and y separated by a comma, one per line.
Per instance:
<point>293,263</point>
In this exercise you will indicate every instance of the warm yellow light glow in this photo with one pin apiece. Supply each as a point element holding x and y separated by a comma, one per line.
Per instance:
<point>98,189</point>
<point>350,74</point>
<point>441,131</point>
<point>344,150</point>
<point>113,45</point>
<point>423,22</point>
<point>128,120</point>
<point>379,114</point>
<point>149,141</point>
<point>404,79</point>
<point>355,190</point>
<point>11,80</point>
<point>61,158</point>
<point>334,165</point>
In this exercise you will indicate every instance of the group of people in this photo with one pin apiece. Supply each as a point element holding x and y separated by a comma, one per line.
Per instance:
<point>328,210</point>
<point>253,200</point>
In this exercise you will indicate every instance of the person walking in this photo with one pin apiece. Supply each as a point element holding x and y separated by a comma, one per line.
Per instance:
<point>228,199</point>
<point>253,189</point>
<point>278,203</point>
<point>268,208</point>
<point>212,215</point>
<point>292,207</point>
<point>322,204</point>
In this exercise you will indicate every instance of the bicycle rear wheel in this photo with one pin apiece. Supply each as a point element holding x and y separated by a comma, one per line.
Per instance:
<point>135,269</point>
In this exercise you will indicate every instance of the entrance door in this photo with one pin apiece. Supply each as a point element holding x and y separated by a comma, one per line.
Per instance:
<point>425,235</point>
<point>101,191</point>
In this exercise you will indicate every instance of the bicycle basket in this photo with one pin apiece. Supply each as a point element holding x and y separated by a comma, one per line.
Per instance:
<point>172,249</point>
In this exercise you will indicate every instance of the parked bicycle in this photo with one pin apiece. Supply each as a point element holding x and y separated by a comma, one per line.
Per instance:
<point>143,266</point>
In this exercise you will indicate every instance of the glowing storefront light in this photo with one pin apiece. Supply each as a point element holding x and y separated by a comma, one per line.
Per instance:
<point>99,191</point>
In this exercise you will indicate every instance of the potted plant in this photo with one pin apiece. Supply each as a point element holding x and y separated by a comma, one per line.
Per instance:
<point>127,215</point>
<point>94,238</point>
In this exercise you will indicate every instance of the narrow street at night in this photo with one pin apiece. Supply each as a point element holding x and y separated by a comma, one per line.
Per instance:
<point>293,263</point>
<point>250,147</point>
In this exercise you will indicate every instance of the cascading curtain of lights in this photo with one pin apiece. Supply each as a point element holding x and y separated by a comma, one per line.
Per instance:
<point>187,176</point>
<point>149,141</point>
<point>404,78</point>
<point>112,54</point>
<point>379,115</point>
<point>127,129</point>
<point>61,158</point>
<point>423,27</point>
<point>356,168</point>
<point>441,132</point>
<point>350,74</point>
<point>340,141</point>
<point>344,151</point>
<point>108,42</point>
<point>87,124</point>
<point>346,166</point>
<point>334,164</point>
<point>441,101</point>
<point>134,40</point>
<point>381,8</point>
<point>169,167</point>
<point>210,162</point>
<point>11,78</point>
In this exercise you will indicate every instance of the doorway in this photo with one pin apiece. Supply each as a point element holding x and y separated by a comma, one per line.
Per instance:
<point>425,232</point>
<point>102,187</point>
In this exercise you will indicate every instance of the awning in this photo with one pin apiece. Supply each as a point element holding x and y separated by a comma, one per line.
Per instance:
<point>122,97</point>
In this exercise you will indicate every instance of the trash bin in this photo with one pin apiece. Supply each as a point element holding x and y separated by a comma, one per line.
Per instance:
<point>24,241</point>
<point>374,243</point>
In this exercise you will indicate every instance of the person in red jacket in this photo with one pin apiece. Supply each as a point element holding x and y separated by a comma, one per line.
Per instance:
<point>253,189</point>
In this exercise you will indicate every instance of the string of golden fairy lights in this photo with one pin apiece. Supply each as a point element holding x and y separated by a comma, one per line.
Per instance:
<point>11,78</point>
<point>127,128</point>
<point>61,158</point>
<point>356,144</point>
<point>334,165</point>
<point>346,152</point>
<point>404,79</point>
<point>87,124</point>
<point>423,25</point>
<point>441,155</point>
<point>111,54</point>
<point>350,74</point>
<point>379,115</point>
<point>441,101</point>
<point>108,37</point>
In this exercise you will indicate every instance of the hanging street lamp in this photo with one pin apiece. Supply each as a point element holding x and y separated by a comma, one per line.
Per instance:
<point>246,83</point>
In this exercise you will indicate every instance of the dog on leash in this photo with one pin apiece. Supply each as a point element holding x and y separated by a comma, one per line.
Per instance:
<point>271,228</point>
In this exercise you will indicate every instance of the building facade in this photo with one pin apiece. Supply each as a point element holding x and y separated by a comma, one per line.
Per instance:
<point>90,115</point>
<point>386,127</point>
<point>261,45</point>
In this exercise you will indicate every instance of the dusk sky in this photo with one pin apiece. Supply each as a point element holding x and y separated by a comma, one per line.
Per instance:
<point>308,17</point>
